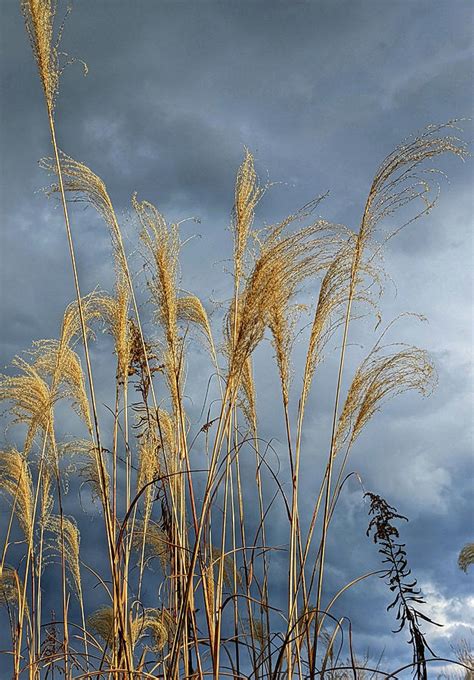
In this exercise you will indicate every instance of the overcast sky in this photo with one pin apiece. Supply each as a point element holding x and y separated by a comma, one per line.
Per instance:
<point>320,92</point>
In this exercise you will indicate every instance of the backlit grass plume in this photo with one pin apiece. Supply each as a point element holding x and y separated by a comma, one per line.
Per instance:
<point>162,244</point>
<point>155,623</point>
<point>190,310</point>
<point>17,484</point>
<point>51,371</point>
<point>148,469</point>
<point>248,192</point>
<point>30,400</point>
<point>87,187</point>
<point>60,365</point>
<point>154,540</point>
<point>466,557</point>
<point>283,262</point>
<point>382,375</point>
<point>333,299</point>
<point>406,176</point>
<point>66,529</point>
<point>39,19</point>
<point>101,622</point>
<point>116,311</point>
<point>10,587</point>
<point>92,307</point>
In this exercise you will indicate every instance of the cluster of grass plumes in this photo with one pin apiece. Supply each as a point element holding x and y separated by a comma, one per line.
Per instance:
<point>185,582</point>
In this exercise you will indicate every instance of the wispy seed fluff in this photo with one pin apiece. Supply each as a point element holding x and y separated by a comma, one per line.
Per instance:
<point>39,19</point>
<point>284,261</point>
<point>17,484</point>
<point>69,532</point>
<point>381,376</point>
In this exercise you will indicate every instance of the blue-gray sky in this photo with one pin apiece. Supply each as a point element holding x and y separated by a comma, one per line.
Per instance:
<point>320,92</point>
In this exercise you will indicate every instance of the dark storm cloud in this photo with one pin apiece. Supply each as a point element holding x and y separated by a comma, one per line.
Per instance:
<point>321,92</point>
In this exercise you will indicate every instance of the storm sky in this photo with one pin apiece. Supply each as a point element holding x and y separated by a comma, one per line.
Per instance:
<point>320,92</point>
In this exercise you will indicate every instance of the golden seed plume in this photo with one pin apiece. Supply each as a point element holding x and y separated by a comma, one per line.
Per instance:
<point>156,542</point>
<point>247,195</point>
<point>404,178</point>
<point>17,484</point>
<point>148,469</point>
<point>89,473</point>
<point>88,464</point>
<point>166,432</point>
<point>381,376</point>
<point>333,294</point>
<point>466,556</point>
<point>157,425</point>
<point>116,315</point>
<point>248,397</point>
<point>47,498</point>
<point>282,321</point>
<point>62,366</point>
<point>158,623</point>
<point>68,532</point>
<point>10,587</point>
<point>39,19</point>
<point>93,310</point>
<point>88,187</point>
<point>53,372</point>
<point>208,587</point>
<point>284,261</point>
<point>163,245</point>
<point>30,400</point>
<point>191,310</point>
<point>101,622</point>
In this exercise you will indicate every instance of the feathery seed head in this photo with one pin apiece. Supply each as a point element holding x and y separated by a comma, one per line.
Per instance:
<point>247,195</point>
<point>381,376</point>
<point>158,623</point>
<point>67,531</point>
<point>93,310</point>
<point>283,263</point>
<point>156,542</point>
<point>30,398</point>
<point>39,20</point>
<point>148,468</point>
<point>60,365</point>
<point>163,245</point>
<point>101,622</point>
<point>402,178</point>
<point>89,188</point>
<point>89,469</point>
<point>466,557</point>
<point>191,310</point>
<point>17,484</point>
<point>10,587</point>
<point>116,316</point>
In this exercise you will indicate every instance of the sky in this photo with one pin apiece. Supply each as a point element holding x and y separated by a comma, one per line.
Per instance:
<point>320,92</point>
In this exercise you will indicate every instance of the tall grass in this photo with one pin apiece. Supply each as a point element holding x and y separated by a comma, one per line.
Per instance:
<point>187,587</point>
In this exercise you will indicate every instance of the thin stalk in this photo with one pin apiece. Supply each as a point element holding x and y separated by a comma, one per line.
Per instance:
<point>97,443</point>
<point>354,268</point>
<point>244,554</point>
